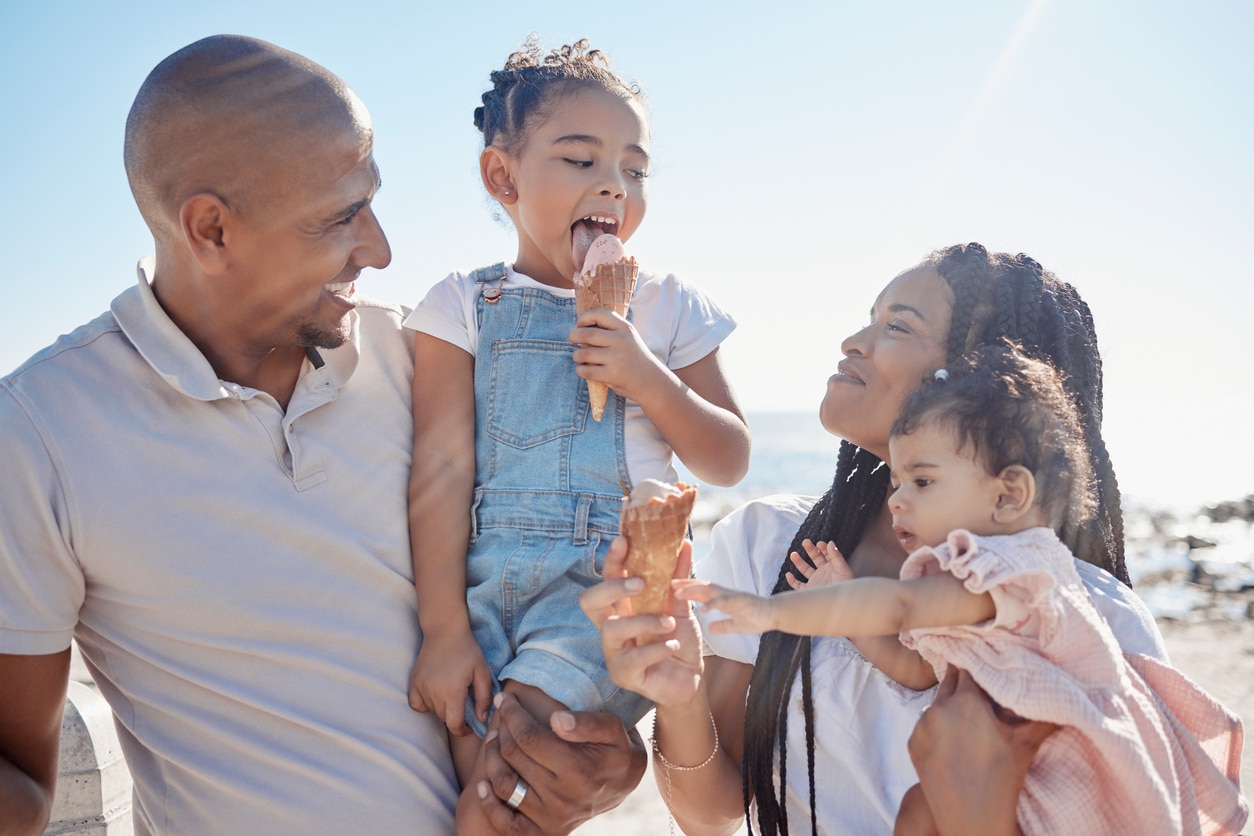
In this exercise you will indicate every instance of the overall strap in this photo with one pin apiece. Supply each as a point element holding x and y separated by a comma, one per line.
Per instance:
<point>493,276</point>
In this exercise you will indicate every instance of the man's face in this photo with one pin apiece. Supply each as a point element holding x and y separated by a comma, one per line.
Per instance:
<point>295,256</point>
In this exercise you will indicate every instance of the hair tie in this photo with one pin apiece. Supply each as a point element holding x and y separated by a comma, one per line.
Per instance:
<point>940,375</point>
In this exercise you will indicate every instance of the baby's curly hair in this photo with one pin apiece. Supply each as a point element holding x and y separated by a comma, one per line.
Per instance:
<point>1007,408</point>
<point>523,92</point>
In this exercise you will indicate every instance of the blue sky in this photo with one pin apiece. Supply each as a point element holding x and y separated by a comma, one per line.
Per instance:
<point>805,153</point>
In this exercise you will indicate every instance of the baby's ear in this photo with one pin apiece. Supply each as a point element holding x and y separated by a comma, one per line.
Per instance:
<point>1016,494</point>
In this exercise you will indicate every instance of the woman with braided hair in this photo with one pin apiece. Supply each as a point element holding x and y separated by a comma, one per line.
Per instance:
<point>806,735</point>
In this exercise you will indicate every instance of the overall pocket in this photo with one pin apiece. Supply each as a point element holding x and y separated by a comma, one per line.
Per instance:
<point>534,394</point>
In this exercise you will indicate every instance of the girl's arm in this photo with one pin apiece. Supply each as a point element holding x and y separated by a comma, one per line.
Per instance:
<point>693,407</point>
<point>441,489</point>
<point>859,607</point>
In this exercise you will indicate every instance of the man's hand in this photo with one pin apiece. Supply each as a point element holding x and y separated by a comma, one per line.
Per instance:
<point>584,764</point>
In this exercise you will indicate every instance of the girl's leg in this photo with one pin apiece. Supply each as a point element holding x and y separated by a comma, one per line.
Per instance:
<point>471,820</point>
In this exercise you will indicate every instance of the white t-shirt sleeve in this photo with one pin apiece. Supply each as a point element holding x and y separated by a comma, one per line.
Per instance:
<point>447,312</point>
<point>678,321</point>
<point>41,584</point>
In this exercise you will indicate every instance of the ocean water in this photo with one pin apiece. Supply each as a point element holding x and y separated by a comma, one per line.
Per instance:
<point>1183,563</point>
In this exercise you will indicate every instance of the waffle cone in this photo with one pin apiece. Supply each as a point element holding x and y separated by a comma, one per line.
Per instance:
<point>608,286</point>
<point>654,532</point>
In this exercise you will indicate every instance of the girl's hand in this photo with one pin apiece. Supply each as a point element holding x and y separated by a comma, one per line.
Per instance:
<point>449,664</point>
<point>667,672</point>
<point>829,566</point>
<point>746,613</point>
<point>610,351</point>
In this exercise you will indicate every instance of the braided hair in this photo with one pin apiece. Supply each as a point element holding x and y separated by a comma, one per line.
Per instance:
<point>995,296</point>
<point>524,91</point>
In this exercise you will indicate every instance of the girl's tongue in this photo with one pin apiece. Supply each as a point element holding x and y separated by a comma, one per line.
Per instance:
<point>590,246</point>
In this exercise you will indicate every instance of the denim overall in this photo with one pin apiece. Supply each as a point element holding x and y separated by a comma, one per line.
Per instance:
<point>549,483</point>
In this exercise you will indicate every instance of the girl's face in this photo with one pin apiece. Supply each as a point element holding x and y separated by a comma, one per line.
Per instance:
<point>584,165</point>
<point>937,488</point>
<point>887,360</point>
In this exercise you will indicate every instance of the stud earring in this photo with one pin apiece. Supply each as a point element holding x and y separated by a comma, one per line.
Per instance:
<point>505,192</point>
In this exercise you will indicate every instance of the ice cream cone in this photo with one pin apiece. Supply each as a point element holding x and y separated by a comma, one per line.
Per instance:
<point>610,286</point>
<point>655,530</point>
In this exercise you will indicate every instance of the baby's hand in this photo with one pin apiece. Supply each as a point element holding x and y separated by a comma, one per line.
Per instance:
<point>746,613</point>
<point>829,566</point>
<point>450,664</point>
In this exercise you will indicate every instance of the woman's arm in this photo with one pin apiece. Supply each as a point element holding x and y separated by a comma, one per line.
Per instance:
<point>709,799</point>
<point>686,694</point>
<point>441,488</point>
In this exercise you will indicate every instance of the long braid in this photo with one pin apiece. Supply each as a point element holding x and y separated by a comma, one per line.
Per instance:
<point>858,491</point>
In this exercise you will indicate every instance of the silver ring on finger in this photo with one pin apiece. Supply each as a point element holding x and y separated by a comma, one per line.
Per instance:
<point>516,797</point>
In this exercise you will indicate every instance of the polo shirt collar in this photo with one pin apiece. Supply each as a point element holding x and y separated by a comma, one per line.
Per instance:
<point>179,362</point>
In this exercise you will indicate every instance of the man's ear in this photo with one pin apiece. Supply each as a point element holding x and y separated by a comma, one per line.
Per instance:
<point>494,169</point>
<point>1016,493</point>
<point>202,220</point>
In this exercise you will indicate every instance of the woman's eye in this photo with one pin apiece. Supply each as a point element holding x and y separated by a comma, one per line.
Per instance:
<point>580,163</point>
<point>635,174</point>
<point>899,326</point>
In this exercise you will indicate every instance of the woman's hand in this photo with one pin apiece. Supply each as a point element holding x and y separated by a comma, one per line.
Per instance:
<point>972,757</point>
<point>829,566</point>
<point>667,672</point>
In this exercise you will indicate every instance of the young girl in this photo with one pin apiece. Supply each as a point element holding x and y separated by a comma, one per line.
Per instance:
<point>516,491</point>
<point>986,464</point>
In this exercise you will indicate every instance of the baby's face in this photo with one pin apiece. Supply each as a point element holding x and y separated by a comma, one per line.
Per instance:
<point>938,488</point>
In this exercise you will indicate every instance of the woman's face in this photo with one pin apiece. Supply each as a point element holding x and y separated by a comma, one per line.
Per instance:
<point>885,361</point>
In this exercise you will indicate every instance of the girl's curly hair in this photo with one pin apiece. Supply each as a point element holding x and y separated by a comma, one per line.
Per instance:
<point>523,92</point>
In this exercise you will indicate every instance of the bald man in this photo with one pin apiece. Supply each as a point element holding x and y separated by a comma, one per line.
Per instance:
<point>206,488</point>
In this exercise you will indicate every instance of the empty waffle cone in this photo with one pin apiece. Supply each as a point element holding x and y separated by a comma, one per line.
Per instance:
<point>655,530</point>
<point>607,286</point>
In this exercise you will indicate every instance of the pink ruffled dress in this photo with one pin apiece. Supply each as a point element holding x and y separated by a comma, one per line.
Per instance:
<point>1142,749</point>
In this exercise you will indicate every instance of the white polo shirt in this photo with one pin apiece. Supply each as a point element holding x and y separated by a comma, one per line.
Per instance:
<point>238,578</point>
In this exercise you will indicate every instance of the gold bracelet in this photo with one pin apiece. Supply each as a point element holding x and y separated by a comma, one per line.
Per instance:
<point>662,758</point>
<point>667,766</point>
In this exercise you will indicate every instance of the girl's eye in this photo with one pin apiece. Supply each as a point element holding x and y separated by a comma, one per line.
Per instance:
<point>579,163</point>
<point>635,174</point>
